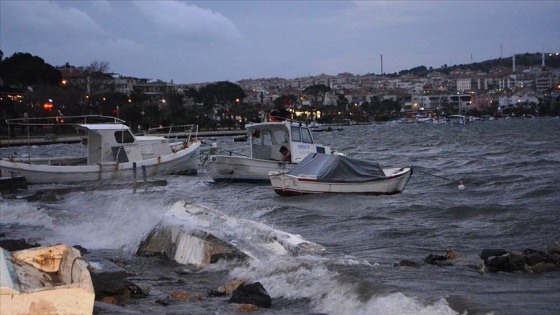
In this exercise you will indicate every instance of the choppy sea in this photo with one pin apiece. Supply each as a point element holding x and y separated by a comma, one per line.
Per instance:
<point>510,170</point>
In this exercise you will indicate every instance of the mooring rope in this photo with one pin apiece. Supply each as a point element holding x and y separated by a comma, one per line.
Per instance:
<point>461,185</point>
<point>434,175</point>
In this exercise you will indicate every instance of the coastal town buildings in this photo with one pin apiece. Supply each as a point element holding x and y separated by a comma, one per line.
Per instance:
<point>454,90</point>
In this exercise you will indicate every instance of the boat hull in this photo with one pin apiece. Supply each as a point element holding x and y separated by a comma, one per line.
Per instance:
<point>184,161</point>
<point>224,168</point>
<point>45,280</point>
<point>289,185</point>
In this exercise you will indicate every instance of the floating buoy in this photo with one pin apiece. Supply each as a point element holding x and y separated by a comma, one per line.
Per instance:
<point>461,186</point>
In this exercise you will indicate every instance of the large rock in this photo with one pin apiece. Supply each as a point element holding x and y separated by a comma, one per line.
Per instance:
<point>487,253</point>
<point>437,260</point>
<point>554,248</point>
<point>12,184</point>
<point>530,260</point>
<point>15,245</point>
<point>107,277</point>
<point>253,293</point>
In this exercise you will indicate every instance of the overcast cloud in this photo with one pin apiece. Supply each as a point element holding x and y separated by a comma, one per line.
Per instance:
<point>205,41</point>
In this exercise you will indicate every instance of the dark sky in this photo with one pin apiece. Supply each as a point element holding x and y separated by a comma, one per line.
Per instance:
<point>204,41</point>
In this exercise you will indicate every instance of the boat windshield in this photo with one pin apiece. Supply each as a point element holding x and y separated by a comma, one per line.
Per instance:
<point>124,136</point>
<point>301,134</point>
<point>296,135</point>
<point>306,135</point>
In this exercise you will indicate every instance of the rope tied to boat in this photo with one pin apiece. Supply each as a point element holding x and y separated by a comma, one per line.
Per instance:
<point>460,187</point>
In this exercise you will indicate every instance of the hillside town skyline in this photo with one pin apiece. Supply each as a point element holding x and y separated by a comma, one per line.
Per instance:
<point>524,84</point>
<point>508,85</point>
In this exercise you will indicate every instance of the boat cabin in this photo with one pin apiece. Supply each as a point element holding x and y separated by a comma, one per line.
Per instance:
<point>116,143</point>
<point>267,138</point>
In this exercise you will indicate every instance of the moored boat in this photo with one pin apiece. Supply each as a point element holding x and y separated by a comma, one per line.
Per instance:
<point>339,174</point>
<point>317,127</point>
<point>265,141</point>
<point>113,152</point>
<point>457,119</point>
<point>45,280</point>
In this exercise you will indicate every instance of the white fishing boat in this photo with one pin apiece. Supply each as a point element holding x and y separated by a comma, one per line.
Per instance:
<point>423,119</point>
<point>457,119</point>
<point>320,173</point>
<point>265,141</point>
<point>112,153</point>
<point>317,127</point>
<point>45,280</point>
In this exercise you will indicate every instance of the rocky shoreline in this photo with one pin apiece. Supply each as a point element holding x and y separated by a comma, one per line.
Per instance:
<point>127,283</point>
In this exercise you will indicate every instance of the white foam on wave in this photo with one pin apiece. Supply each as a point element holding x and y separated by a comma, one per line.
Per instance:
<point>253,238</point>
<point>296,276</point>
<point>289,277</point>
<point>308,277</point>
<point>24,213</point>
<point>393,303</point>
<point>107,220</point>
<point>348,260</point>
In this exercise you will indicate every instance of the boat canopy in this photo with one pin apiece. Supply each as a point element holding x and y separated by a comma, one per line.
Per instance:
<point>103,127</point>
<point>338,169</point>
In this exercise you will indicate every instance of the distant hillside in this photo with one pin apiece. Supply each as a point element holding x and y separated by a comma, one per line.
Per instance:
<point>521,60</point>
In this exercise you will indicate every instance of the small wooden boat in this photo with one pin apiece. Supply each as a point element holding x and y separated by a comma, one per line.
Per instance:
<point>265,140</point>
<point>321,173</point>
<point>45,280</point>
<point>113,152</point>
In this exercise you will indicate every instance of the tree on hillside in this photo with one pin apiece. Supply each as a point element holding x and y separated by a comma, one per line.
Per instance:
<point>131,112</point>
<point>36,80</point>
<point>193,95</point>
<point>97,79</point>
<point>342,102</point>
<point>96,74</point>
<point>24,69</point>
<point>174,112</point>
<point>285,101</point>
<point>390,106</point>
<point>226,94</point>
<point>222,92</point>
<point>317,93</point>
<point>420,71</point>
